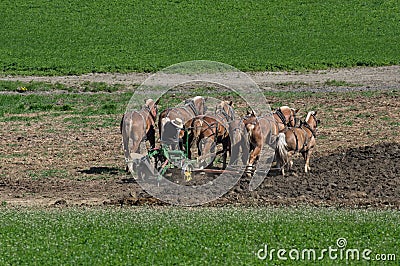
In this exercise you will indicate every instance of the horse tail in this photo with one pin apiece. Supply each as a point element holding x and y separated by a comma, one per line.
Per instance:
<point>161,116</point>
<point>282,149</point>
<point>130,138</point>
<point>121,124</point>
<point>124,128</point>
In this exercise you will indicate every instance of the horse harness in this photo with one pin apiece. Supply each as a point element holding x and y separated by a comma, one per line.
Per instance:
<point>306,140</point>
<point>265,117</point>
<point>215,124</point>
<point>297,140</point>
<point>146,108</point>
<point>225,116</point>
<point>281,116</point>
<point>240,127</point>
<point>189,104</point>
<point>228,117</point>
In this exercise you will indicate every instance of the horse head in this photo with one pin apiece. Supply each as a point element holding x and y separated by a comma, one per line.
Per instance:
<point>200,105</point>
<point>152,107</point>
<point>312,121</point>
<point>226,109</point>
<point>289,115</point>
<point>250,113</point>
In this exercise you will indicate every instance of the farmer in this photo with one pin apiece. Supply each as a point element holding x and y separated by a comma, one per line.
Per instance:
<point>171,132</point>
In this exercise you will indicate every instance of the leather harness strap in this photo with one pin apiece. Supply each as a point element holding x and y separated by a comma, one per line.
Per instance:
<point>281,115</point>
<point>144,126</point>
<point>191,105</point>
<point>297,140</point>
<point>306,125</point>
<point>146,108</point>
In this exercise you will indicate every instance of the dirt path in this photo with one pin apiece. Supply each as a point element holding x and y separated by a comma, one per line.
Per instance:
<point>359,77</point>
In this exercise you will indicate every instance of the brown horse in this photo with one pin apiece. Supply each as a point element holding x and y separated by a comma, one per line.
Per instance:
<point>300,139</point>
<point>193,107</point>
<point>265,129</point>
<point>209,130</point>
<point>135,127</point>
<point>239,152</point>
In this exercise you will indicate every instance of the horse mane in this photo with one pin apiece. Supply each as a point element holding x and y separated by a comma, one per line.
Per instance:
<point>149,102</point>
<point>308,115</point>
<point>197,98</point>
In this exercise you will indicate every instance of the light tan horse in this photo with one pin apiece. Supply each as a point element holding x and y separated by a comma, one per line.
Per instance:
<point>265,129</point>
<point>239,152</point>
<point>300,139</point>
<point>135,127</point>
<point>209,130</point>
<point>193,107</point>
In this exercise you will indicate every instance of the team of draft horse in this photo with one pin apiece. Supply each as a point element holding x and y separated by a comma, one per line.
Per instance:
<point>243,138</point>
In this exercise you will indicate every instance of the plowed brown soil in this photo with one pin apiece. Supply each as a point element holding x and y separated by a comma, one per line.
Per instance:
<point>357,163</point>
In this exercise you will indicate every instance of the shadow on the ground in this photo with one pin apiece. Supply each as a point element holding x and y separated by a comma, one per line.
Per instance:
<point>102,170</point>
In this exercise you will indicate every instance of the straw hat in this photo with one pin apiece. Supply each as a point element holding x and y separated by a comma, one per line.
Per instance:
<point>177,122</point>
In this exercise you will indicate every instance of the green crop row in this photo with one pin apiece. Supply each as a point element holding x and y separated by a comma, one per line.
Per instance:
<point>200,236</point>
<point>74,37</point>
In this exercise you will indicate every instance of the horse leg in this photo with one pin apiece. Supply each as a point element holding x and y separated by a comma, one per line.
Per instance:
<point>151,136</point>
<point>307,159</point>
<point>131,166</point>
<point>304,154</point>
<point>234,154</point>
<point>224,156</point>
<point>205,152</point>
<point>245,151</point>
<point>189,147</point>
<point>226,147</point>
<point>253,156</point>
<point>289,159</point>
<point>277,159</point>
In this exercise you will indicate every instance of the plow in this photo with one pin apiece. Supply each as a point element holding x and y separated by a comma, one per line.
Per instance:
<point>159,160</point>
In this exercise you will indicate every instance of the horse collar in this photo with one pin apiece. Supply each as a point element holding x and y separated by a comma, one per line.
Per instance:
<point>297,140</point>
<point>147,108</point>
<point>281,116</point>
<point>191,105</point>
<point>226,115</point>
<point>306,125</point>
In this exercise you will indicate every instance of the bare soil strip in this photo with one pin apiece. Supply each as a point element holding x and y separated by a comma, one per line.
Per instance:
<point>364,77</point>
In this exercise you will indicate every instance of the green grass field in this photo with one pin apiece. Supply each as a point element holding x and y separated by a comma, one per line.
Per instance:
<point>104,103</point>
<point>195,236</point>
<point>72,37</point>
